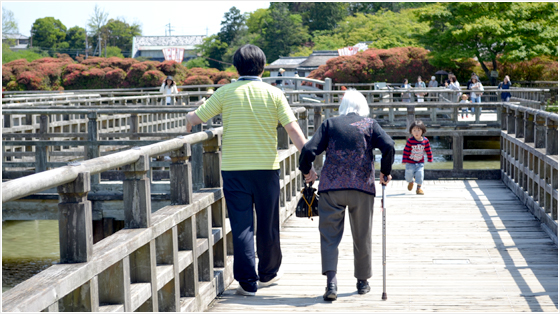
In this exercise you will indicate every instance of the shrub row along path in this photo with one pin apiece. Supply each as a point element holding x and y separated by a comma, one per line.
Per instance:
<point>464,246</point>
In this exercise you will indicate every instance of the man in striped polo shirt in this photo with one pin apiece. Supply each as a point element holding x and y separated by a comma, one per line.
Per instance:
<point>250,112</point>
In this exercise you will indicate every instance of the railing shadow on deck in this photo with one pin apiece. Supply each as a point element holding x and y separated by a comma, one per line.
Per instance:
<point>178,258</point>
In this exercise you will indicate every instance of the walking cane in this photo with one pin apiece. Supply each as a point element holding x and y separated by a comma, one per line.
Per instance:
<point>383,210</point>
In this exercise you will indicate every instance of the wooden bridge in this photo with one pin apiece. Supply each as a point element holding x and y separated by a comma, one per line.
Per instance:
<point>467,245</point>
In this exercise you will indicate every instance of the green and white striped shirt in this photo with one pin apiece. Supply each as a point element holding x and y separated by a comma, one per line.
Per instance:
<point>250,112</point>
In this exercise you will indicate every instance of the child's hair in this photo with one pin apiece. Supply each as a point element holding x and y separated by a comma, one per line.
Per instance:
<point>419,124</point>
<point>465,95</point>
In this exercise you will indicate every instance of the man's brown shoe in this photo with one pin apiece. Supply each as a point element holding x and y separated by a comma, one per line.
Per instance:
<point>410,186</point>
<point>419,191</point>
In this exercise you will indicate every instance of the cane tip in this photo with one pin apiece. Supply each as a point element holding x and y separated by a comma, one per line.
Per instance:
<point>384,296</point>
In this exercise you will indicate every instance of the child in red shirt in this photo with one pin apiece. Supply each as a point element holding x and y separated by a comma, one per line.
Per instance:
<point>413,156</point>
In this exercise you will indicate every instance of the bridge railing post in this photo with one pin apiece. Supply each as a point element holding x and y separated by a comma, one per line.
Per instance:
<point>551,137</point>
<point>137,194</point>
<point>540,131</point>
<point>458,152</point>
<point>519,124</point>
<point>303,123</point>
<point>134,126</point>
<point>197,162</point>
<point>42,151</point>
<point>529,125</point>
<point>283,138</point>
<point>92,149</point>
<point>180,176</point>
<point>212,157</point>
<point>510,121</point>
<point>75,220</point>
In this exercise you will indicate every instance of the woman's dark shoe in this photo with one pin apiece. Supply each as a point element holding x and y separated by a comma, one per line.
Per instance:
<point>330,293</point>
<point>363,286</point>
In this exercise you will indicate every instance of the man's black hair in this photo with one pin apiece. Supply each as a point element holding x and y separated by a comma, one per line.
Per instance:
<point>419,124</point>
<point>249,60</point>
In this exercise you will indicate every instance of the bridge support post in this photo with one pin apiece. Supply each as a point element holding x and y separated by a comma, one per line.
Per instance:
<point>134,125</point>
<point>92,149</point>
<point>510,121</point>
<point>137,194</point>
<point>303,124</point>
<point>529,124</point>
<point>75,220</point>
<point>519,124</point>
<point>540,131</point>
<point>457,152</point>
<point>197,163</point>
<point>180,175</point>
<point>410,115</point>
<point>212,157</point>
<point>551,137</point>
<point>42,151</point>
<point>283,138</point>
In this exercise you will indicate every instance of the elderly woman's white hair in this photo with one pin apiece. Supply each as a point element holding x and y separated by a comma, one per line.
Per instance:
<point>353,101</point>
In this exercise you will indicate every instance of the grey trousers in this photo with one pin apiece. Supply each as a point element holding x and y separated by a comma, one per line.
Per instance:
<point>332,207</point>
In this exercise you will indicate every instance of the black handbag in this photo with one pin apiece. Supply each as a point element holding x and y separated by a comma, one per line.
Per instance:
<point>308,205</point>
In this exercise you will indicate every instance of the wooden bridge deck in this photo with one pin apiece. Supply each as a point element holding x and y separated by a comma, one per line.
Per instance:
<point>464,246</point>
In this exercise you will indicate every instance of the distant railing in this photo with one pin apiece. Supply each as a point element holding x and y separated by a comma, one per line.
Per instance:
<point>178,258</point>
<point>529,160</point>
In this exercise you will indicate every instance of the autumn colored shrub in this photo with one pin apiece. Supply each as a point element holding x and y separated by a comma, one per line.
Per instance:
<point>74,67</point>
<point>32,81</point>
<point>198,80</point>
<point>201,72</point>
<point>17,66</point>
<point>220,76</point>
<point>223,81</point>
<point>537,69</point>
<point>7,75</point>
<point>152,78</point>
<point>373,65</point>
<point>170,67</point>
<point>115,78</point>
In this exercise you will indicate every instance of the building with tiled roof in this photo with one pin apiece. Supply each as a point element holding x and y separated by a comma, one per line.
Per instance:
<point>18,41</point>
<point>152,46</point>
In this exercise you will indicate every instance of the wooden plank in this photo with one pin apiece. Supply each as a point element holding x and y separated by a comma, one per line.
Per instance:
<point>513,265</point>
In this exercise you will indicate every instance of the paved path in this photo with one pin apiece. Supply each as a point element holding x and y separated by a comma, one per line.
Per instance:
<point>467,246</point>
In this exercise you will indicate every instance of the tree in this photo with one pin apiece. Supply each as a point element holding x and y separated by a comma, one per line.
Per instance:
<point>213,49</point>
<point>49,33</point>
<point>97,20</point>
<point>373,7</point>
<point>9,23</point>
<point>114,52</point>
<point>282,31</point>
<point>490,31</point>
<point>118,33</point>
<point>233,25</point>
<point>196,63</point>
<point>76,37</point>
<point>319,15</point>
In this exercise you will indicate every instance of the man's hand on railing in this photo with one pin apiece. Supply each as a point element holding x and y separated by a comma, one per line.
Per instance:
<point>311,176</point>
<point>192,120</point>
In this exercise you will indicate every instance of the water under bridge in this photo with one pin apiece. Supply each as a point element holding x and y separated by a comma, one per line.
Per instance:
<point>479,240</point>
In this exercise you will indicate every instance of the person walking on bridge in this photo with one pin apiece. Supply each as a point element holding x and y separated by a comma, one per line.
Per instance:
<point>251,110</point>
<point>348,180</point>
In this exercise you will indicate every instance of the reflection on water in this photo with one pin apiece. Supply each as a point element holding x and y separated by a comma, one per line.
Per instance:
<point>28,247</point>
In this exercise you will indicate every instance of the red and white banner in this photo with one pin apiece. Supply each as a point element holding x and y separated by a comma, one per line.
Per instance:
<point>175,54</point>
<point>348,51</point>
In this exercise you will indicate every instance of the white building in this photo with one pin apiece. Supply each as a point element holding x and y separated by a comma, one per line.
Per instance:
<point>152,46</point>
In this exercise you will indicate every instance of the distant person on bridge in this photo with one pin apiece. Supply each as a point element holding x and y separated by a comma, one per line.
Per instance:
<point>432,84</point>
<point>413,156</point>
<point>167,88</point>
<point>348,179</point>
<point>506,84</point>
<point>251,110</point>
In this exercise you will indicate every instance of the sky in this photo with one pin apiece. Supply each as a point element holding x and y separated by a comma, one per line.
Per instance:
<point>186,17</point>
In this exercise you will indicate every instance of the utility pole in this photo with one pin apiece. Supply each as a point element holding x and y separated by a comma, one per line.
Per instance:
<point>105,48</point>
<point>169,28</point>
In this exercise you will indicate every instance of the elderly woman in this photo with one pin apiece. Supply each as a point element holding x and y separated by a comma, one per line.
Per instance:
<point>348,180</point>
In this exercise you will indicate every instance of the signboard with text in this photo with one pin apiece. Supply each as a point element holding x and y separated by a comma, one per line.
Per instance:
<point>175,54</point>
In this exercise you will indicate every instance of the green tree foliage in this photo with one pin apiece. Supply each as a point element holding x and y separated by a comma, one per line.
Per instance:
<point>373,7</point>
<point>213,49</point>
<point>97,19</point>
<point>9,23</point>
<point>76,38</point>
<point>319,16</point>
<point>490,31</point>
<point>282,31</point>
<point>233,25</point>
<point>49,33</point>
<point>113,51</point>
<point>118,33</point>
<point>385,29</point>
<point>196,63</point>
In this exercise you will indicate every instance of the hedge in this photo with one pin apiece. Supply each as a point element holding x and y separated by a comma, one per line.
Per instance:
<point>102,73</point>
